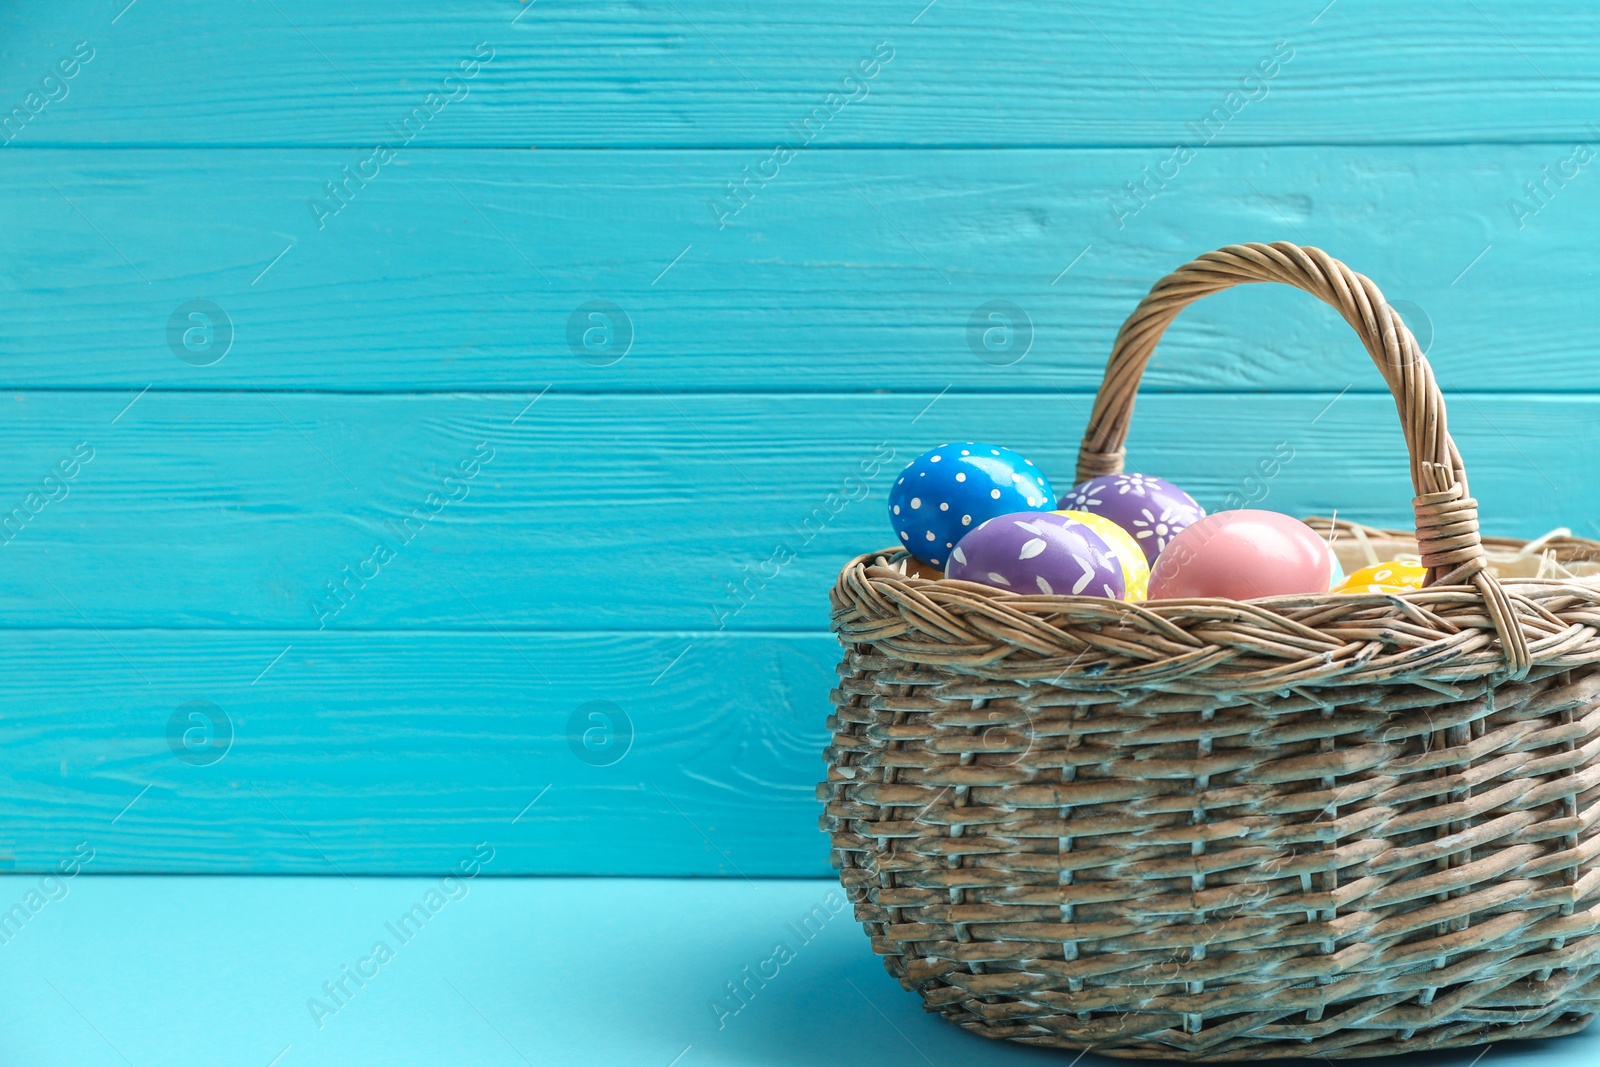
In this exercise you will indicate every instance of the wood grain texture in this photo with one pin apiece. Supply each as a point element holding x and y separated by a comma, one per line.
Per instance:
<point>396,753</point>
<point>700,73</point>
<point>855,270</point>
<point>387,749</point>
<point>634,512</point>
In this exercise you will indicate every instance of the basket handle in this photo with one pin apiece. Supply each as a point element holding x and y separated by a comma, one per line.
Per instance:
<point>1447,518</point>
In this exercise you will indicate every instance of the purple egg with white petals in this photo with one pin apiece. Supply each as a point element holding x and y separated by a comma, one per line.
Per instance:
<point>1037,552</point>
<point>1152,509</point>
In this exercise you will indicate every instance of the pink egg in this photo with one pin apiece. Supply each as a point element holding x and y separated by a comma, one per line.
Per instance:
<point>1242,555</point>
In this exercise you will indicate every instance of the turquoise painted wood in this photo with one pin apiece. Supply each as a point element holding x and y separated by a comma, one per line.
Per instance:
<point>369,753</point>
<point>504,972</point>
<point>377,727</point>
<point>467,478</point>
<point>701,73</point>
<point>858,270</point>
<point>302,512</point>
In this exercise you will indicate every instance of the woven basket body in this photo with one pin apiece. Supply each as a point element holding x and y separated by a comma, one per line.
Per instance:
<point>1337,825</point>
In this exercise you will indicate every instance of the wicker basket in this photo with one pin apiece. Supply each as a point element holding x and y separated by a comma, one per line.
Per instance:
<point>1337,825</point>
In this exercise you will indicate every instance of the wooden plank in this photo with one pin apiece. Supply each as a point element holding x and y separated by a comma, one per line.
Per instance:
<point>853,270</point>
<point>694,72</point>
<point>603,512</point>
<point>384,753</point>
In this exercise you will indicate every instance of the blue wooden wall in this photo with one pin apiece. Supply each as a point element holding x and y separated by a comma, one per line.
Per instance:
<point>404,406</point>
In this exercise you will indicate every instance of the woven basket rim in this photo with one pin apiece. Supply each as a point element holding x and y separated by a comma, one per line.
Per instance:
<point>1564,548</point>
<point>1439,632</point>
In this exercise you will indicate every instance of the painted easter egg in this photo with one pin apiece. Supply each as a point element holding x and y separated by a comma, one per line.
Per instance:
<point>1037,552</point>
<point>1241,555</point>
<point>1135,568</point>
<point>948,491</point>
<point>1336,578</point>
<point>1395,576</point>
<point>1153,510</point>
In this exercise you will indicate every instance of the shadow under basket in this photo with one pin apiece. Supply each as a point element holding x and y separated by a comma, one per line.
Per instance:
<point>1323,825</point>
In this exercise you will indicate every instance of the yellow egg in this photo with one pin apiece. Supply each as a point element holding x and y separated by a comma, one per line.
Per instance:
<point>1135,568</point>
<point>1395,576</point>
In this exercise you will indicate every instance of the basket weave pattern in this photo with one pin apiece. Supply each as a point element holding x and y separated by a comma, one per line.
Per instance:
<point>1347,825</point>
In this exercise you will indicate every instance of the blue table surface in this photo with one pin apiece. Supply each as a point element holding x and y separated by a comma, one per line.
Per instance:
<point>150,970</point>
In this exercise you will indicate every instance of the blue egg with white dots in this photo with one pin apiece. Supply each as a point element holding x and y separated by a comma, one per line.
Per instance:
<point>946,491</point>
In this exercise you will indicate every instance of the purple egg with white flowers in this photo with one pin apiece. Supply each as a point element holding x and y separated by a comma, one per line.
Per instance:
<point>948,491</point>
<point>1038,552</point>
<point>1153,510</point>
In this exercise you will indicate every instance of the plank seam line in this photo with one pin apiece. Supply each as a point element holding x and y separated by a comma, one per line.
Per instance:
<point>419,632</point>
<point>873,146</point>
<point>954,391</point>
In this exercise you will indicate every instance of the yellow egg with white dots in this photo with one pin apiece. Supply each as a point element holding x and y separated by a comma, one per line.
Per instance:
<point>1130,557</point>
<point>1394,576</point>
